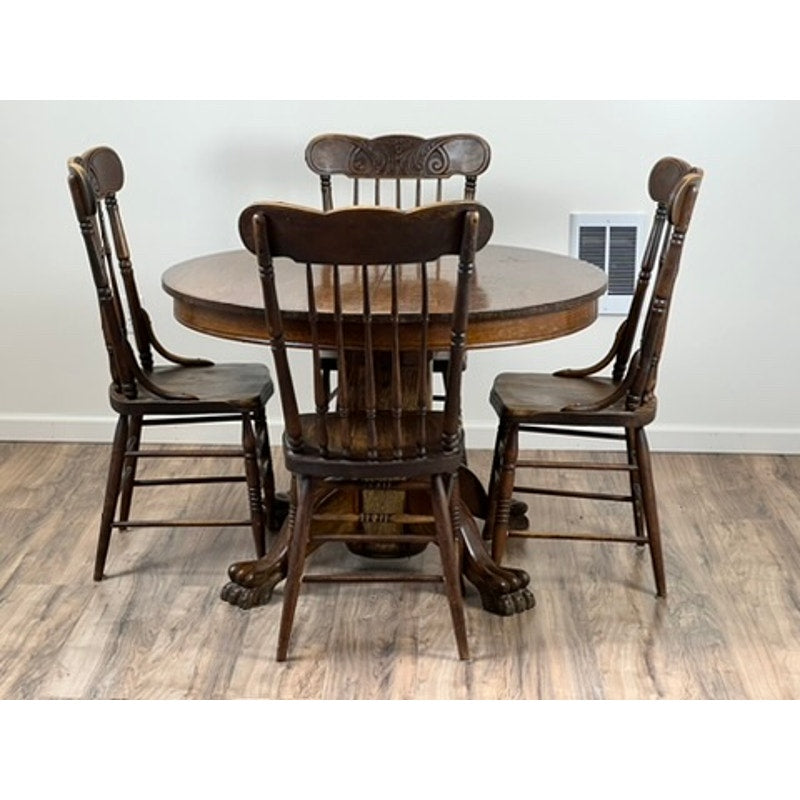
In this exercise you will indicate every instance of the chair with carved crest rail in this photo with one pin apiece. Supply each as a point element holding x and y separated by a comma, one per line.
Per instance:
<point>186,390</point>
<point>383,433</point>
<point>581,402</point>
<point>398,170</point>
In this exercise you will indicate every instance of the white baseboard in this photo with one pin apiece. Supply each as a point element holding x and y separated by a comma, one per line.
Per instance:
<point>664,438</point>
<point>480,435</point>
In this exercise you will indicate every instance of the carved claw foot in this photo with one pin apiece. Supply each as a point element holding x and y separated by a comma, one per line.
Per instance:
<point>252,582</point>
<point>506,605</point>
<point>503,590</point>
<point>246,598</point>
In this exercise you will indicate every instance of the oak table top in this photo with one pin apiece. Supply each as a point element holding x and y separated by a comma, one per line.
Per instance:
<point>518,296</point>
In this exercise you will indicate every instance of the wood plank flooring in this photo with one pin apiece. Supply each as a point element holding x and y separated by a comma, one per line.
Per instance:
<point>156,628</point>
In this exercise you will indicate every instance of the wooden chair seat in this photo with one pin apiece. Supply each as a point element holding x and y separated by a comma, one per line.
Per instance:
<point>341,458</point>
<point>215,389</point>
<point>539,398</point>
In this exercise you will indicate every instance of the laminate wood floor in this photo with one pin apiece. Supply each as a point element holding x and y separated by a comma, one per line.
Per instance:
<point>155,627</point>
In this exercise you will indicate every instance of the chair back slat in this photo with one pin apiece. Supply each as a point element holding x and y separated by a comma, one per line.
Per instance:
<point>423,388</point>
<point>370,395</point>
<point>369,301</point>
<point>458,338</point>
<point>293,431</point>
<point>396,376</point>
<point>344,369</point>
<point>108,253</point>
<point>320,394</point>
<point>644,366</point>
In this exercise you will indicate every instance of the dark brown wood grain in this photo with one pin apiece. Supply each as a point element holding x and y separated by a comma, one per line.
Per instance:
<point>516,296</point>
<point>184,390</point>
<point>390,440</point>
<point>401,171</point>
<point>397,161</point>
<point>578,402</point>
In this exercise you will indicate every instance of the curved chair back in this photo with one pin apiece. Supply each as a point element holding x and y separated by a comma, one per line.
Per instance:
<point>665,177</point>
<point>107,177</point>
<point>122,360</point>
<point>414,168</point>
<point>643,370</point>
<point>360,263</point>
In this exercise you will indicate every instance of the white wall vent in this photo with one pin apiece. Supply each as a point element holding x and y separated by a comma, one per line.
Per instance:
<point>615,243</point>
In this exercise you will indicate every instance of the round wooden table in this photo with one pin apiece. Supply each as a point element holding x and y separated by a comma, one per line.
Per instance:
<point>519,296</point>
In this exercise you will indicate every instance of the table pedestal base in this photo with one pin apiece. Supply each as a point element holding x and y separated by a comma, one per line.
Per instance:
<point>503,590</point>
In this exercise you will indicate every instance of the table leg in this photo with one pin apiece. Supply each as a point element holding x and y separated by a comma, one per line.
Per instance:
<point>503,590</point>
<point>252,582</point>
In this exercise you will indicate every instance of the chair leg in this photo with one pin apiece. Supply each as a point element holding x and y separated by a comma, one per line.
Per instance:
<point>112,493</point>
<point>445,538</point>
<point>265,468</point>
<point>508,448</point>
<point>302,501</point>
<point>253,485</point>
<point>636,488</point>
<point>494,477</point>
<point>129,469</point>
<point>650,510</point>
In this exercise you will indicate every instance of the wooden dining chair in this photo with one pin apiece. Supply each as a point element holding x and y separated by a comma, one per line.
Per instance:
<point>185,390</point>
<point>581,402</point>
<point>383,435</point>
<point>401,171</point>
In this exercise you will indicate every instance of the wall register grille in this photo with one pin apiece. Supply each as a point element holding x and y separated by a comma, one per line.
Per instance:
<point>615,243</point>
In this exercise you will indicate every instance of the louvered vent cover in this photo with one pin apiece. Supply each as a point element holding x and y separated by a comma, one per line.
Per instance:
<point>613,242</point>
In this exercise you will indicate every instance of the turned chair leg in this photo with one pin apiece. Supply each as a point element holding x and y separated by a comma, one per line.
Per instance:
<point>445,538</point>
<point>650,510</point>
<point>265,467</point>
<point>494,477</point>
<point>302,500</point>
<point>506,468</point>
<point>129,469</point>
<point>636,487</point>
<point>253,486</point>
<point>112,493</point>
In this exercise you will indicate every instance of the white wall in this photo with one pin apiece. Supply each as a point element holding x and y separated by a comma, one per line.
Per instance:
<point>729,380</point>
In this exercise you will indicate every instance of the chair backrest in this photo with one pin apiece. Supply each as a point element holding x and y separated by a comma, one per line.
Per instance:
<point>107,177</point>
<point>122,361</point>
<point>368,289</point>
<point>665,177</point>
<point>674,185</point>
<point>413,169</point>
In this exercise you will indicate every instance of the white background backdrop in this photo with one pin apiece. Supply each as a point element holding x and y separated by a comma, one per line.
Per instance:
<point>729,380</point>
